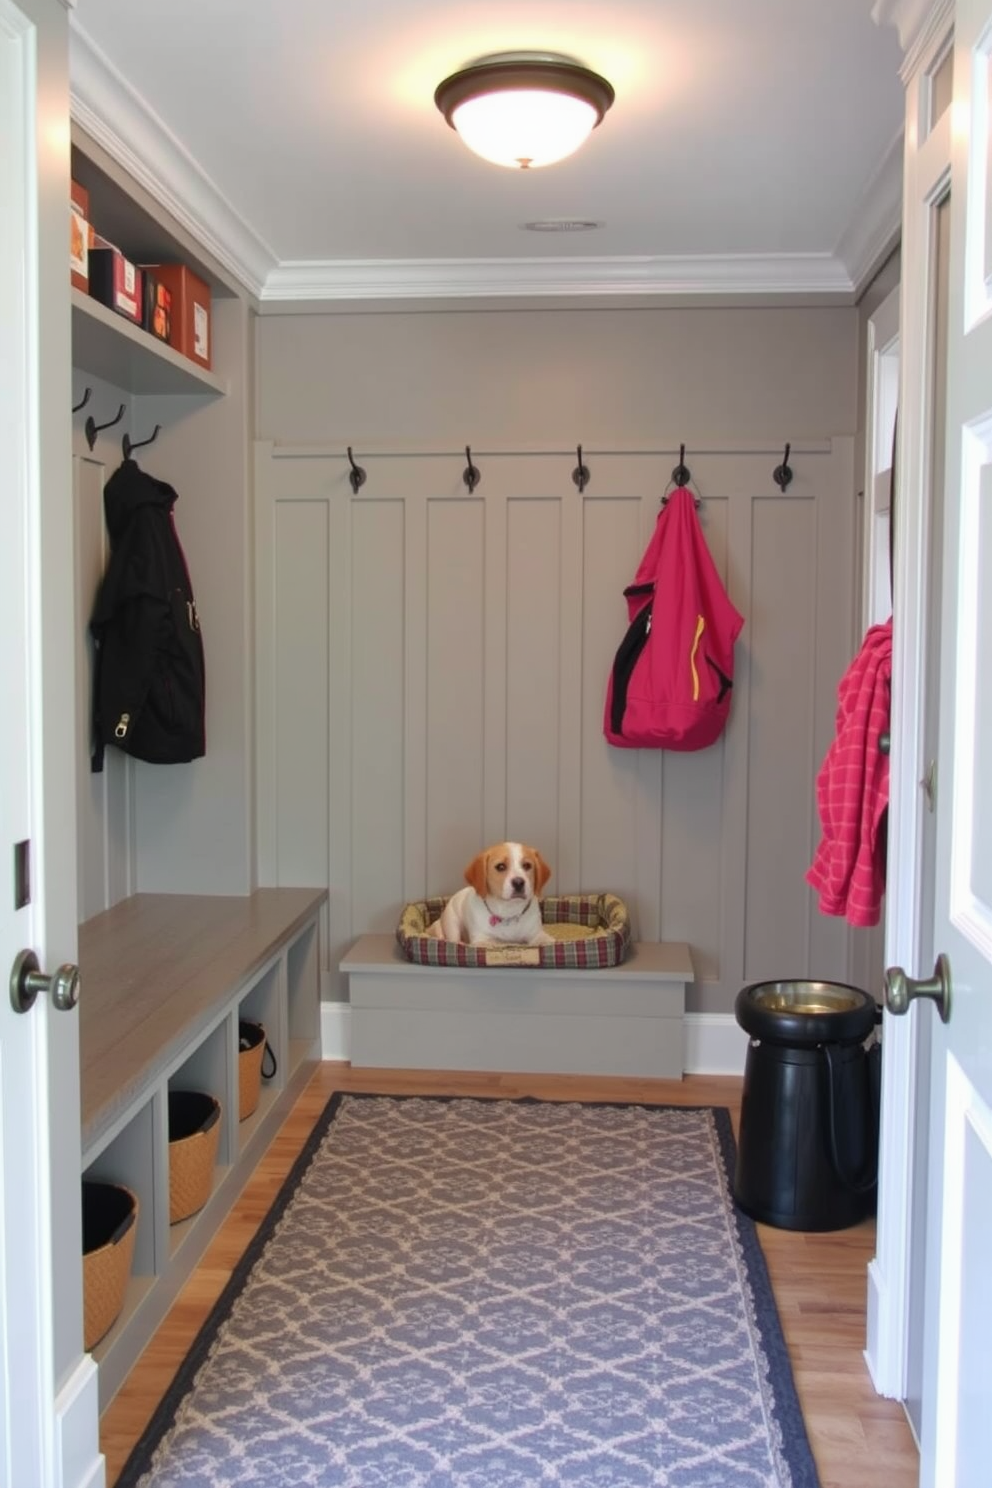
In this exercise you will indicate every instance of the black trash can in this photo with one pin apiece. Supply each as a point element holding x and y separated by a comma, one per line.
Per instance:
<point>807,1154</point>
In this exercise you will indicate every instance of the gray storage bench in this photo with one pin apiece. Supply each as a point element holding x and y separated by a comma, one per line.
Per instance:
<point>619,1020</point>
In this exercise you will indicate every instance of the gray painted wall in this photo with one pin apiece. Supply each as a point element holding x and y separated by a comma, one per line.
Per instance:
<point>432,663</point>
<point>545,378</point>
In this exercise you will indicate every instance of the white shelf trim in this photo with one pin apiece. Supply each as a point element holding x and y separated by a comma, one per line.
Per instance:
<point>119,351</point>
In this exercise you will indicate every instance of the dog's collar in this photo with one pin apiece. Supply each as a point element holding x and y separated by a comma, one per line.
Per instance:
<point>495,919</point>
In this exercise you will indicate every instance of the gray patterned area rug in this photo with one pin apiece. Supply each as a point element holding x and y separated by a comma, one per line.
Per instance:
<point>469,1293</point>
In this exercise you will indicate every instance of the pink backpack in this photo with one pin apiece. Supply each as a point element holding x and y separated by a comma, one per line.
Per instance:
<point>672,677</point>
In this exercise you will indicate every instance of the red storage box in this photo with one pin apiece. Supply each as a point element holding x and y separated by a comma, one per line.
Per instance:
<point>116,281</point>
<point>189,329</point>
<point>158,307</point>
<point>79,235</point>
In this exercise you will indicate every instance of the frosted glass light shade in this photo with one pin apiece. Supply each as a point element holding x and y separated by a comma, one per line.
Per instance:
<point>524,112</point>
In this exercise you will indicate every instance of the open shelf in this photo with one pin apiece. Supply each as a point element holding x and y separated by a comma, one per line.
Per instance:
<point>108,346</point>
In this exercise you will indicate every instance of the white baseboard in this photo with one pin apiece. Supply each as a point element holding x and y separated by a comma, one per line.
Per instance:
<point>81,1464</point>
<point>335,1030</point>
<point>715,1044</point>
<point>882,1355</point>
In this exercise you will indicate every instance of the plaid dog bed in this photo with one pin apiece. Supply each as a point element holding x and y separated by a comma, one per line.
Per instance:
<point>590,931</point>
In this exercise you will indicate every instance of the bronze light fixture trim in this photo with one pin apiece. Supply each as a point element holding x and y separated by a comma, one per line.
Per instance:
<point>513,93</point>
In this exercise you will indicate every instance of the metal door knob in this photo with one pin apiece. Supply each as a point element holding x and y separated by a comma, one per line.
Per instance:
<point>901,989</point>
<point>26,981</point>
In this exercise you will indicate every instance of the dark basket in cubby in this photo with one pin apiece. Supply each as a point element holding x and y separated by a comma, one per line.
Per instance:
<point>256,1062</point>
<point>194,1133</point>
<point>110,1223</point>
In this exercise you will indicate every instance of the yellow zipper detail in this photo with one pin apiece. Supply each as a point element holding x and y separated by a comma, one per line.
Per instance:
<point>700,627</point>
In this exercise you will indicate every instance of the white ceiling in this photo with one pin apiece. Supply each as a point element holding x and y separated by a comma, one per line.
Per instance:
<point>754,145</point>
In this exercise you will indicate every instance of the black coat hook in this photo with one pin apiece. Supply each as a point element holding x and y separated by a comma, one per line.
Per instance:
<point>580,474</point>
<point>697,503</point>
<point>782,475</point>
<point>356,474</point>
<point>681,476</point>
<point>92,429</point>
<point>471,474</point>
<point>83,401</point>
<point>127,444</point>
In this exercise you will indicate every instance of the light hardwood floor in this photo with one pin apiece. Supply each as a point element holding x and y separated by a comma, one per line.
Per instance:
<point>819,1280</point>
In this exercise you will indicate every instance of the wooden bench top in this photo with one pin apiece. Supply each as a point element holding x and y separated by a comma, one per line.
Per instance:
<point>153,970</point>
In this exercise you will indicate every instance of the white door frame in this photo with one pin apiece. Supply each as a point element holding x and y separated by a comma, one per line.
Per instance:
<point>882,397</point>
<point>926,174</point>
<point>52,1440</point>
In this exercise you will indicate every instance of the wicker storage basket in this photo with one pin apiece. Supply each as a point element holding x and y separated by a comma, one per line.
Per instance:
<point>110,1214</point>
<point>251,1051</point>
<point>194,1132</point>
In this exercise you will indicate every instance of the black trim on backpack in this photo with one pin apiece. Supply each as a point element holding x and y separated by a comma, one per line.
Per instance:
<point>625,660</point>
<point>725,683</point>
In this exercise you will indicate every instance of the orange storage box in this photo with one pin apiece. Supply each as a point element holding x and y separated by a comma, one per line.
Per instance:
<point>79,235</point>
<point>189,328</point>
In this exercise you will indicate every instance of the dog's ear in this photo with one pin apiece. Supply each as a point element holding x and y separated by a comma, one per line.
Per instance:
<point>475,874</point>
<point>541,871</point>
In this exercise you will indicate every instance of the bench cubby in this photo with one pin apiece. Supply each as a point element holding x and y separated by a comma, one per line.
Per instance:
<point>165,980</point>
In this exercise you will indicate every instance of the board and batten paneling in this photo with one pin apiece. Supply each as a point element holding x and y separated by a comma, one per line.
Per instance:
<point>104,801</point>
<point>446,652</point>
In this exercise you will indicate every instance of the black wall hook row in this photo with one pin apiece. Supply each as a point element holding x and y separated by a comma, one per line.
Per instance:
<point>83,400</point>
<point>682,475</point>
<point>127,444</point>
<point>782,475</point>
<point>356,474</point>
<point>471,475</point>
<point>92,429</point>
<point>580,474</point>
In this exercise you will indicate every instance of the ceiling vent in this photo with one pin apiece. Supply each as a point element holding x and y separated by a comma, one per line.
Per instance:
<point>562,225</point>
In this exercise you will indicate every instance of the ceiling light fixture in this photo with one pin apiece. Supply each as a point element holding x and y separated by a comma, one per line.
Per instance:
<point>524,109</point>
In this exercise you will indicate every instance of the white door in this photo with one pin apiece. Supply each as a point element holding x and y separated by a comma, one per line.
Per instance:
<point>48,1410</point>
<point>957,1393</point>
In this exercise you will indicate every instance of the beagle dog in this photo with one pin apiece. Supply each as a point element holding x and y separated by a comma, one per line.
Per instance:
<point>499,906</point>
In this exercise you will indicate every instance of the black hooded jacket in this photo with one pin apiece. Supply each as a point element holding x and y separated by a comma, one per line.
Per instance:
<point>148,683</point>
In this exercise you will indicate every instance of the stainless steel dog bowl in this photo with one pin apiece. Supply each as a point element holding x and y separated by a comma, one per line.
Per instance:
<point>805,1012</point>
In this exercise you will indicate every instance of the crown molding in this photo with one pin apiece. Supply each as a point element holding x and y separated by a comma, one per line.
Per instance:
<point>103,103</point>
<point>605,278</point>
<point>876,224</point>
<point>907,16</point>
<point>917,23</point>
